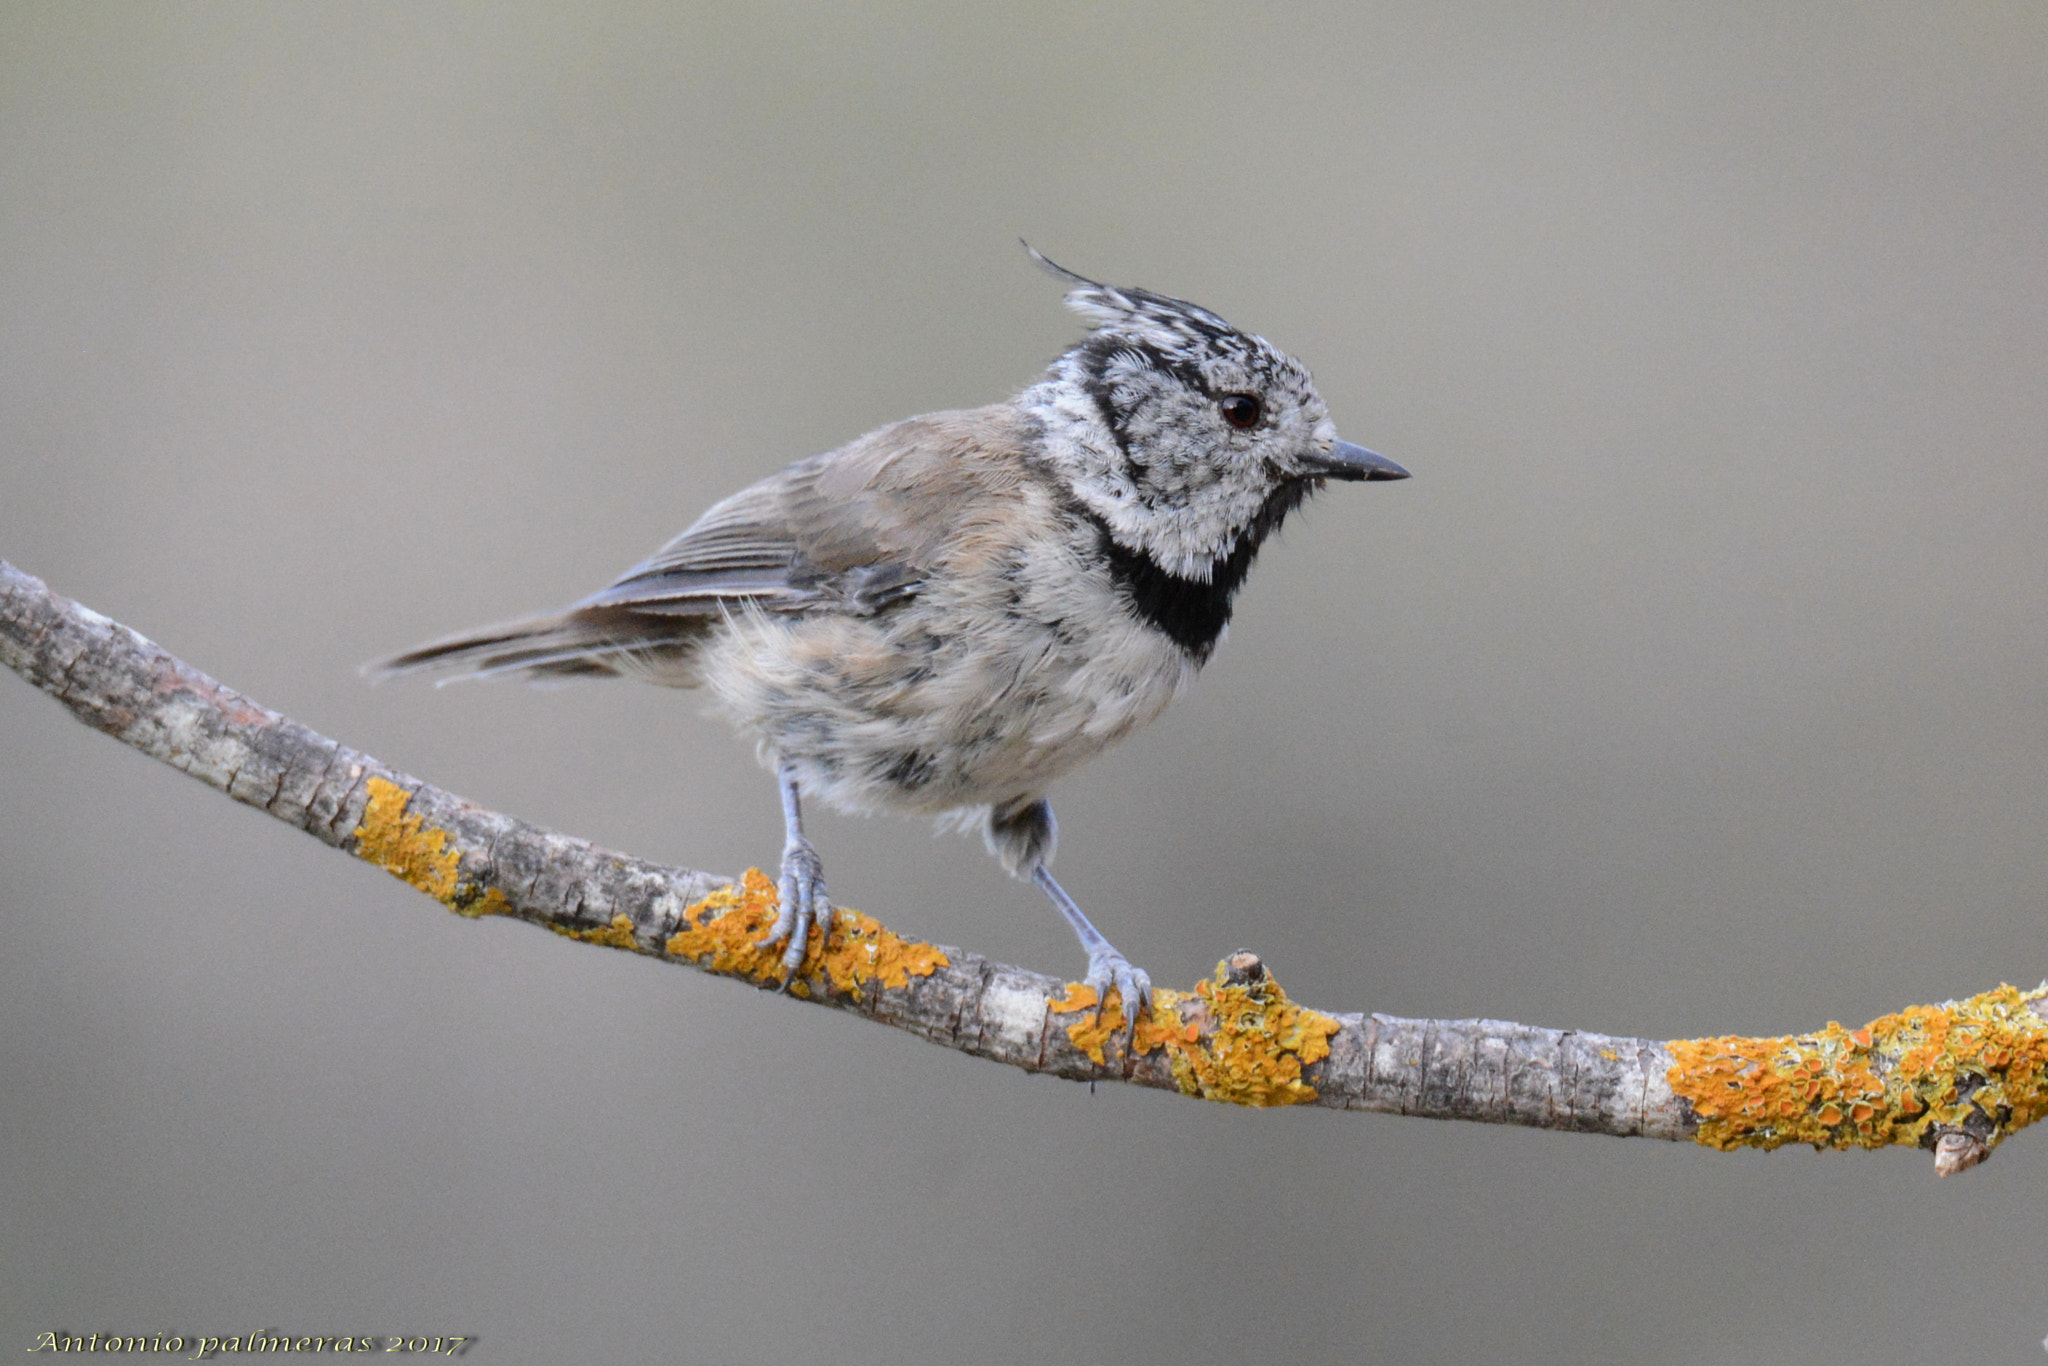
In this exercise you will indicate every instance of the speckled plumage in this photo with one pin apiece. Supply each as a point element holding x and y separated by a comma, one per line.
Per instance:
<point>948,614</point>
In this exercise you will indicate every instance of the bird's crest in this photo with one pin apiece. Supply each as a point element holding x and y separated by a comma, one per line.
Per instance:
<point>1172,325</point>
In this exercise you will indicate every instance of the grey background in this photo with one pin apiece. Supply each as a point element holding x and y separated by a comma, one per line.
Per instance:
<point>1697,683</point>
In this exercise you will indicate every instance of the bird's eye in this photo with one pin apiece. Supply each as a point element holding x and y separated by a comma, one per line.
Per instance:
<point>1241,411</point>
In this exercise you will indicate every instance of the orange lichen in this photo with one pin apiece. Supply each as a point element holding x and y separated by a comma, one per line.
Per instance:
<point>1902,1079</point>
<point>723,934</point>
<point>1243,1042</point>
<point>1093,1031</point>
<point>617,935</point>
<point>491,901</point>
<point>406,847</point>
<point>862,954</point>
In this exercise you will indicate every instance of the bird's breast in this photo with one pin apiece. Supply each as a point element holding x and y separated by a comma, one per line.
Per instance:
<point>978,688</point>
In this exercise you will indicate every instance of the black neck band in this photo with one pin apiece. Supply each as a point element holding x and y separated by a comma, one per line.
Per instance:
<point>1193,612</point>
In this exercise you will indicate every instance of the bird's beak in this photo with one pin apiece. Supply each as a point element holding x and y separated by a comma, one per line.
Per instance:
<point>1346,461</point>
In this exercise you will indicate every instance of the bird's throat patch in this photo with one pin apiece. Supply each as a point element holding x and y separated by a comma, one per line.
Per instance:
<point>1193,612</point>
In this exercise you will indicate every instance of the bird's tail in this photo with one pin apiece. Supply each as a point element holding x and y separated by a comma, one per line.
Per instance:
<point>582,642</point>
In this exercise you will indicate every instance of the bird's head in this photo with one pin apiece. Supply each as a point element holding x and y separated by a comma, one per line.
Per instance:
<point>1187,439</point>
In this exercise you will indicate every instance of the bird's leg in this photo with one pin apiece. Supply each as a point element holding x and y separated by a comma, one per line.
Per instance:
<point>1023,834</point>
<point>1106,967</point>
<point>801,890</point>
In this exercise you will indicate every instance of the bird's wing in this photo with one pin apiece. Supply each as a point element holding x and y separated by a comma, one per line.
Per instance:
<point>853,530</point>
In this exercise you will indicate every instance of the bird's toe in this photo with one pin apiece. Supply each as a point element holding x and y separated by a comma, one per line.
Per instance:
<point>1109,969</point>
<point>803,902</point>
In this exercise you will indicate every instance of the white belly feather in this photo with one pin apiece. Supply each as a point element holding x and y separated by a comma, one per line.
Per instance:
<point>905,711</point>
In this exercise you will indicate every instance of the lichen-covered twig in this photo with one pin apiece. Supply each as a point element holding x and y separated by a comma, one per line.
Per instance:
<point>1955,1079</point>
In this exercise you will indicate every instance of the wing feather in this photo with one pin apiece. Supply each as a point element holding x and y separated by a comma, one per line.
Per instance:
<point>852,530</point>
<point>855,531</point>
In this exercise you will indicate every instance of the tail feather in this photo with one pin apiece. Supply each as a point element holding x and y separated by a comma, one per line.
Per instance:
<point>579,643</point>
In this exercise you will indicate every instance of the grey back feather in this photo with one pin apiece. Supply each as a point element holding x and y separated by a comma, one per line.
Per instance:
<point>851,531</point>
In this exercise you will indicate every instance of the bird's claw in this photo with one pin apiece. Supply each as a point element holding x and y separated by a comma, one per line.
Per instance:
<point>1106,969</point>
<point>800,893</point>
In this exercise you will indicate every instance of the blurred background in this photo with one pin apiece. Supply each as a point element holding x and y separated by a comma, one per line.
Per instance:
<point>1697,683</point>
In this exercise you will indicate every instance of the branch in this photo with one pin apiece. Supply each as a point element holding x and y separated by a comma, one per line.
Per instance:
<point>1955,1079</point>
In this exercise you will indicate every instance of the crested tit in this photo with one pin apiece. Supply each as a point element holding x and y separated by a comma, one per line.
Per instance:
<point>949,613</point>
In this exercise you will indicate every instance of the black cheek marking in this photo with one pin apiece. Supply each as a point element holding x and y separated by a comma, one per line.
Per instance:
<point>1095,383</point>
<point>1097,355</point>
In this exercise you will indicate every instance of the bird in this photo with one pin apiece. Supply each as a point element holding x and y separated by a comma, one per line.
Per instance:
<point>949,613</point>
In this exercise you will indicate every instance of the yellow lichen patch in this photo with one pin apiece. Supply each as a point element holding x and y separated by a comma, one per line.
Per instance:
<point>1241,1042</point>
<point>406,847</point>
<point>1095,1028</point>
<point>723,933</point>
<point>617,935</point>
<point>862,953</point>
<point>492,902</point>
<point>401,844</point>
<point>1902,1079</point>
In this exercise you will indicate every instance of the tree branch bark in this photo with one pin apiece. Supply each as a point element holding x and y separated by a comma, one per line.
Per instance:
<point>1955,1079</point>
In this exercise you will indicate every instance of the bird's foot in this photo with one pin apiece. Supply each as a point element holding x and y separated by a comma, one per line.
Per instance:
<point>1106,969</point>
<point>800,893</point>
